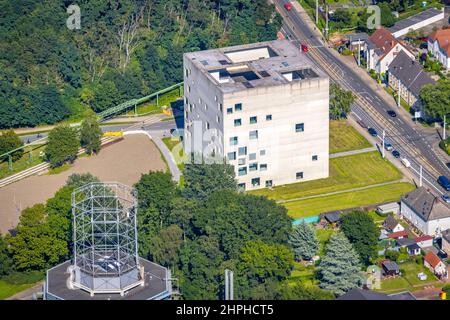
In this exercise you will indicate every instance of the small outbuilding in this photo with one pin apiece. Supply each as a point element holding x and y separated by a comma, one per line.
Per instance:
<point>398,235</point>
<point>424,241</point>
<point>413,249</point>
<point>435,264</point>
<point>390,268</point>
<point>392,225</point>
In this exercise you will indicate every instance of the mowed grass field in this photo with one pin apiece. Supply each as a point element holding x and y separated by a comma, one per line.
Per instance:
<point>348,172</point>
<point>8,290</point>
<point>351,199</point>
<point>343,137</point>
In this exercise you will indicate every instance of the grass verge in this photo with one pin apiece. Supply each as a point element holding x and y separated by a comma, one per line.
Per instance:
<point>343,137</point>
<point>347,172</point>
<point>375,195</point>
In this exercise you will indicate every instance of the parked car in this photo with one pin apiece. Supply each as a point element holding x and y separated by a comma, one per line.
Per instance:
<point>288,6</point>
<point>362,124</point>
<point>373,132</point>
<point>444,182</point>
<point>442,254</point>
<point>388,145</point>
<point>305,48</point>
<point>406,162</point>
<point>396,154</point>
<point>391,113</point>
<point>446,198</point>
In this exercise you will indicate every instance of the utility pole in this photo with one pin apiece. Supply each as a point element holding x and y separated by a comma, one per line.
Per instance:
<point>398,98</point>
<point>326,24</point>
<point>420,180</point>
<point>382,152</point>
<point>359,52</point>
<point>317,12</point>
<point>229,288</point>
<point>443,135</point>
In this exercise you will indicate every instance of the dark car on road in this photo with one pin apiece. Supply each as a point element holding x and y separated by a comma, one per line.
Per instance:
<point>446,198</point>
<point>362,124</point>
<point>373,132</point>
<point>444,182</point>
<point>396,154</point>
<point>391,113</point>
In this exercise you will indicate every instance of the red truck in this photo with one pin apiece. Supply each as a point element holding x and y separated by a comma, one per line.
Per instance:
<point>288,6</point>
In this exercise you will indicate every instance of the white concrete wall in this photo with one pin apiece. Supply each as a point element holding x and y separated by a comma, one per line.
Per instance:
<point>432,227</point>
<point>286,151</point>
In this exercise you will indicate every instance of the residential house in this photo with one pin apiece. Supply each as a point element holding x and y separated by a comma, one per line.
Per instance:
<point>439,46</point>
<point>446,241</point>
<point>390,268</point>
<point>398,234</point>
<point>417,21</point>
<point>408,76</point>
<point>381,49</point>
<point>405,242</point>
<point>413,249</point>
<point>425,241</point>
<point>392,225</point>
<point>432,262</point>
<point>425,211</point>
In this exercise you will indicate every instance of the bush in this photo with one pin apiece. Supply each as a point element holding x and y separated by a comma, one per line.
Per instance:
<point>9,140</point>
<point>25,277</point>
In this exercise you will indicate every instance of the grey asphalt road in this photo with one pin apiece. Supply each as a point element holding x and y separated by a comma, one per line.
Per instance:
<point>404,130</point>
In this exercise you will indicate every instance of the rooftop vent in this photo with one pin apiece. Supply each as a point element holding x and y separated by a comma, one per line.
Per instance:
<point>264,74</point>
<point>224,62</point>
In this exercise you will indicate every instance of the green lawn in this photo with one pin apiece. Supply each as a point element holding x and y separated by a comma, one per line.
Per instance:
<point>314,206</point>
<point>323,235</point>
<point>409,280</point>
<point>343,137</point>
<point>23,163</point>
<point>8,290</point>
<point>153,107</point>
<point>171,143</point>
<point>304,275</point>
<point>348,172</point>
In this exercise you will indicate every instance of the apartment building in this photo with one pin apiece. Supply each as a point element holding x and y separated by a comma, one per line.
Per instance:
<point>263,108</point>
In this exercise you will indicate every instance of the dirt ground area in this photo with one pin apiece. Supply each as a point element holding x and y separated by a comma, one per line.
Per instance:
<point>124,162</point>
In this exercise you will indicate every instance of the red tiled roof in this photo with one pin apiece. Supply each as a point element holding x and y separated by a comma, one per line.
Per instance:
<point>432,259</point>
<point>398,234</point>
<point>384,40</point>
<point>443,39</point>
<point>423,238</point>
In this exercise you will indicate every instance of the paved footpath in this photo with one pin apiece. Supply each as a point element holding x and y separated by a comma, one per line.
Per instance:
<point>352,152</point>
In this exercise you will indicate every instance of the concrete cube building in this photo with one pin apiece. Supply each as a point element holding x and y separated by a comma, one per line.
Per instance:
<point>262,107</point>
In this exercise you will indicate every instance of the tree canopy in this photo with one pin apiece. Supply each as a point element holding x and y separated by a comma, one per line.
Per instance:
<point>304,241</point>
<point>63,144</point>
<point>362,232</point>
<point>340,102</point>
<point>436,99</point>
<point>339,269</point>
<point>9,141</point>
<point>124,50</point>
<point>91,134</point>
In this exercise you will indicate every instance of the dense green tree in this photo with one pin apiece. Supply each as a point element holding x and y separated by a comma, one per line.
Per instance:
<point>36,246</point>
<point>387,18</point>
<point>436,99</point>
<point>304,241</point>
<point>200,262</point>
<point>63,144</point>
<point>340,102</point>
<point>342,18</point>
<point>157,190</point>
<point>201,180</point>
<point>363,234</point>
<point>261,263</point>
<point>9,141</point>
<point>91,134</point>
<point>166,246</point>
<point>5,259</point>
<point>301,292</point>
<point>339,269</point>
<point>237,218</point>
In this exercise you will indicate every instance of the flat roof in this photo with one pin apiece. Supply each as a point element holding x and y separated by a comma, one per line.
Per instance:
<point>156,284</point>
<point>420,17</point>
<point>255,65</point>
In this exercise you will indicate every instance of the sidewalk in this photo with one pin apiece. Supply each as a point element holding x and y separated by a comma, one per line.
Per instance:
<point>352,152</point>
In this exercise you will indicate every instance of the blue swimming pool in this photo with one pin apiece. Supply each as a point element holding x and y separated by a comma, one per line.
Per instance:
<point>313,219</point>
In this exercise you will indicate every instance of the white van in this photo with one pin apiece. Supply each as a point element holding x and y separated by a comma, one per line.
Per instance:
<point>406,162</point>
